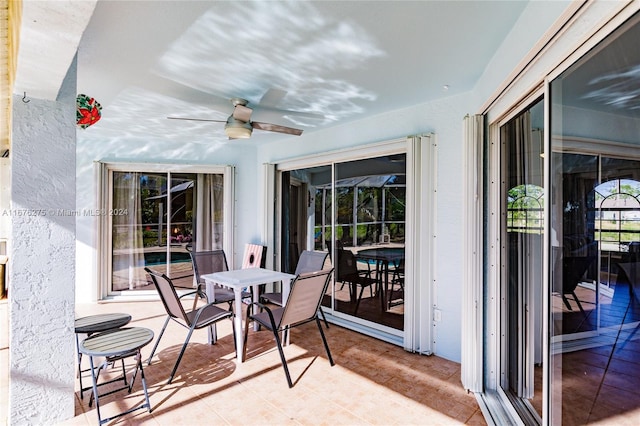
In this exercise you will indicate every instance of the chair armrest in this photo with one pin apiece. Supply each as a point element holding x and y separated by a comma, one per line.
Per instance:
<point>259,304</point>
<point>266,308</point>
<point>187,294</point>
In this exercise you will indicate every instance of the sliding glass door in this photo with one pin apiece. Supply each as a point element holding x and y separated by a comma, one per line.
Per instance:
<point>154,219</point>
<point>354,210</point>
<point>569,268</point>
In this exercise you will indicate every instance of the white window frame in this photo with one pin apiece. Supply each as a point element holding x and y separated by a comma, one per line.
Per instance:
<point>104,193</point>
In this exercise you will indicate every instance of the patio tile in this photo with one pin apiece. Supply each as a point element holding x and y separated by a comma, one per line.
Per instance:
<point>372,383</point>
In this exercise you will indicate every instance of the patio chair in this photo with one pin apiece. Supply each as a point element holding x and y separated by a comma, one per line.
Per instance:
<point>397,278</point>
<point>309,261</point>
<point>348,273</point>
<point>301,307</point>
<point>195,319</point>
<point>208,262</point>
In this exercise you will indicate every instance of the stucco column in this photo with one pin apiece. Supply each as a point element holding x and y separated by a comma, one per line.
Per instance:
<point>42,258</point>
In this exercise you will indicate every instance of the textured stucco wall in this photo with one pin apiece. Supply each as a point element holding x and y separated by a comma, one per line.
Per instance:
<point>42,277</point>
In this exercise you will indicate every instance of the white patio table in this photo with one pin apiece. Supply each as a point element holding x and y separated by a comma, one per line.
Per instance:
<point>239,279</point>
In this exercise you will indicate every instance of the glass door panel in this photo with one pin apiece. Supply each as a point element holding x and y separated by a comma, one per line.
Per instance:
<point>362,211</point>
<point>139,230</point>
<point>181,225</point>
<point>370,277</point>
<point>595,228</point>
<point>523,207</point>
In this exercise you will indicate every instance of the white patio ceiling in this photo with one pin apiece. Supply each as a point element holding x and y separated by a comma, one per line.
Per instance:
<point>339,60</point>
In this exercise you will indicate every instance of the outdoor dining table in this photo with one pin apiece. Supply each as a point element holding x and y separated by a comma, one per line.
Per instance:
<point>383,257</point>
<point>238,280</point>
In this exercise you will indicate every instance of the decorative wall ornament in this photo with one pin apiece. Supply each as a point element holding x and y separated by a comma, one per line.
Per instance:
<point>88,111</point>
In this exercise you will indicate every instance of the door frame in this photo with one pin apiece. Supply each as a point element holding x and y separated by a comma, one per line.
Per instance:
<point>420,231</point>
<point>103,249</point>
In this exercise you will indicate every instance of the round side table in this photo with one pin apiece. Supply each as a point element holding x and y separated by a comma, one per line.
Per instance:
<point>95,324</point>
<point>114,345</point>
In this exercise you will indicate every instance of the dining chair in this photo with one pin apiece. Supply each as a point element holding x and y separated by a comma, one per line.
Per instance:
<point>348,273</point>
<point>195,319</point>
<point>208,262</point>
<point>567,277</point>
<point>301,307</point>
<point>309,261</point>
<point>397,279</point>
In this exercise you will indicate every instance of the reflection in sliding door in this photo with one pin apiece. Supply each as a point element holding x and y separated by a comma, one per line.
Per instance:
<point>595,232</point>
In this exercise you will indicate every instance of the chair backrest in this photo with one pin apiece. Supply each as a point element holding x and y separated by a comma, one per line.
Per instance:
<point>168,295</point>
<point>305,297</point>
<point>310,261</point>
<point>255,256</point>
<point>347,263</point>
<point>208,262</point>
<point>573,269</point>
<point>568,270</point>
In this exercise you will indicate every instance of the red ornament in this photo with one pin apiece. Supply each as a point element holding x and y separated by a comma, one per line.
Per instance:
<point>88,111</point>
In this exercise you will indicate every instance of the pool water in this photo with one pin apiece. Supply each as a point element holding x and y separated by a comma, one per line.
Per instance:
<point>160,258</point>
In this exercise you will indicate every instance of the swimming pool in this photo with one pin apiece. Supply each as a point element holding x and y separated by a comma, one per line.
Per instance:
<point>160,258</point>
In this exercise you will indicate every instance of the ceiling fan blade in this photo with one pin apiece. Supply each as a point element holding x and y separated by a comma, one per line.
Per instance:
<point>279,111</point>
<point>196,119</point>
<point>242,113</point>
<point>276,128</point>
<point>272,97</point>
<point>157,84</point>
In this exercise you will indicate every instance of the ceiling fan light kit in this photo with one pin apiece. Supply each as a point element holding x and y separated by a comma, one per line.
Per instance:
<point>236,129</point>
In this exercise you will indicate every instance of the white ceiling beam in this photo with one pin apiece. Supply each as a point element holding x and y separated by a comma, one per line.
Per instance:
<point>49,37</point>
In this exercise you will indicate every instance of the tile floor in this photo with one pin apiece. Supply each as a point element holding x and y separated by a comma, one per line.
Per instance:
<point>601,384</point>
<point>372,383</point>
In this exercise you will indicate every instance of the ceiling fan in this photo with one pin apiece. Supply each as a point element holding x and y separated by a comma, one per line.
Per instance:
<point>239,124</point>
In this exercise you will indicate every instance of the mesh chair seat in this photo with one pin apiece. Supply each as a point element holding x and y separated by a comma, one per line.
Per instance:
<point>263,317</point>
<point>226,295</point>
<point>273,298</point>
<point>206,315</point>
